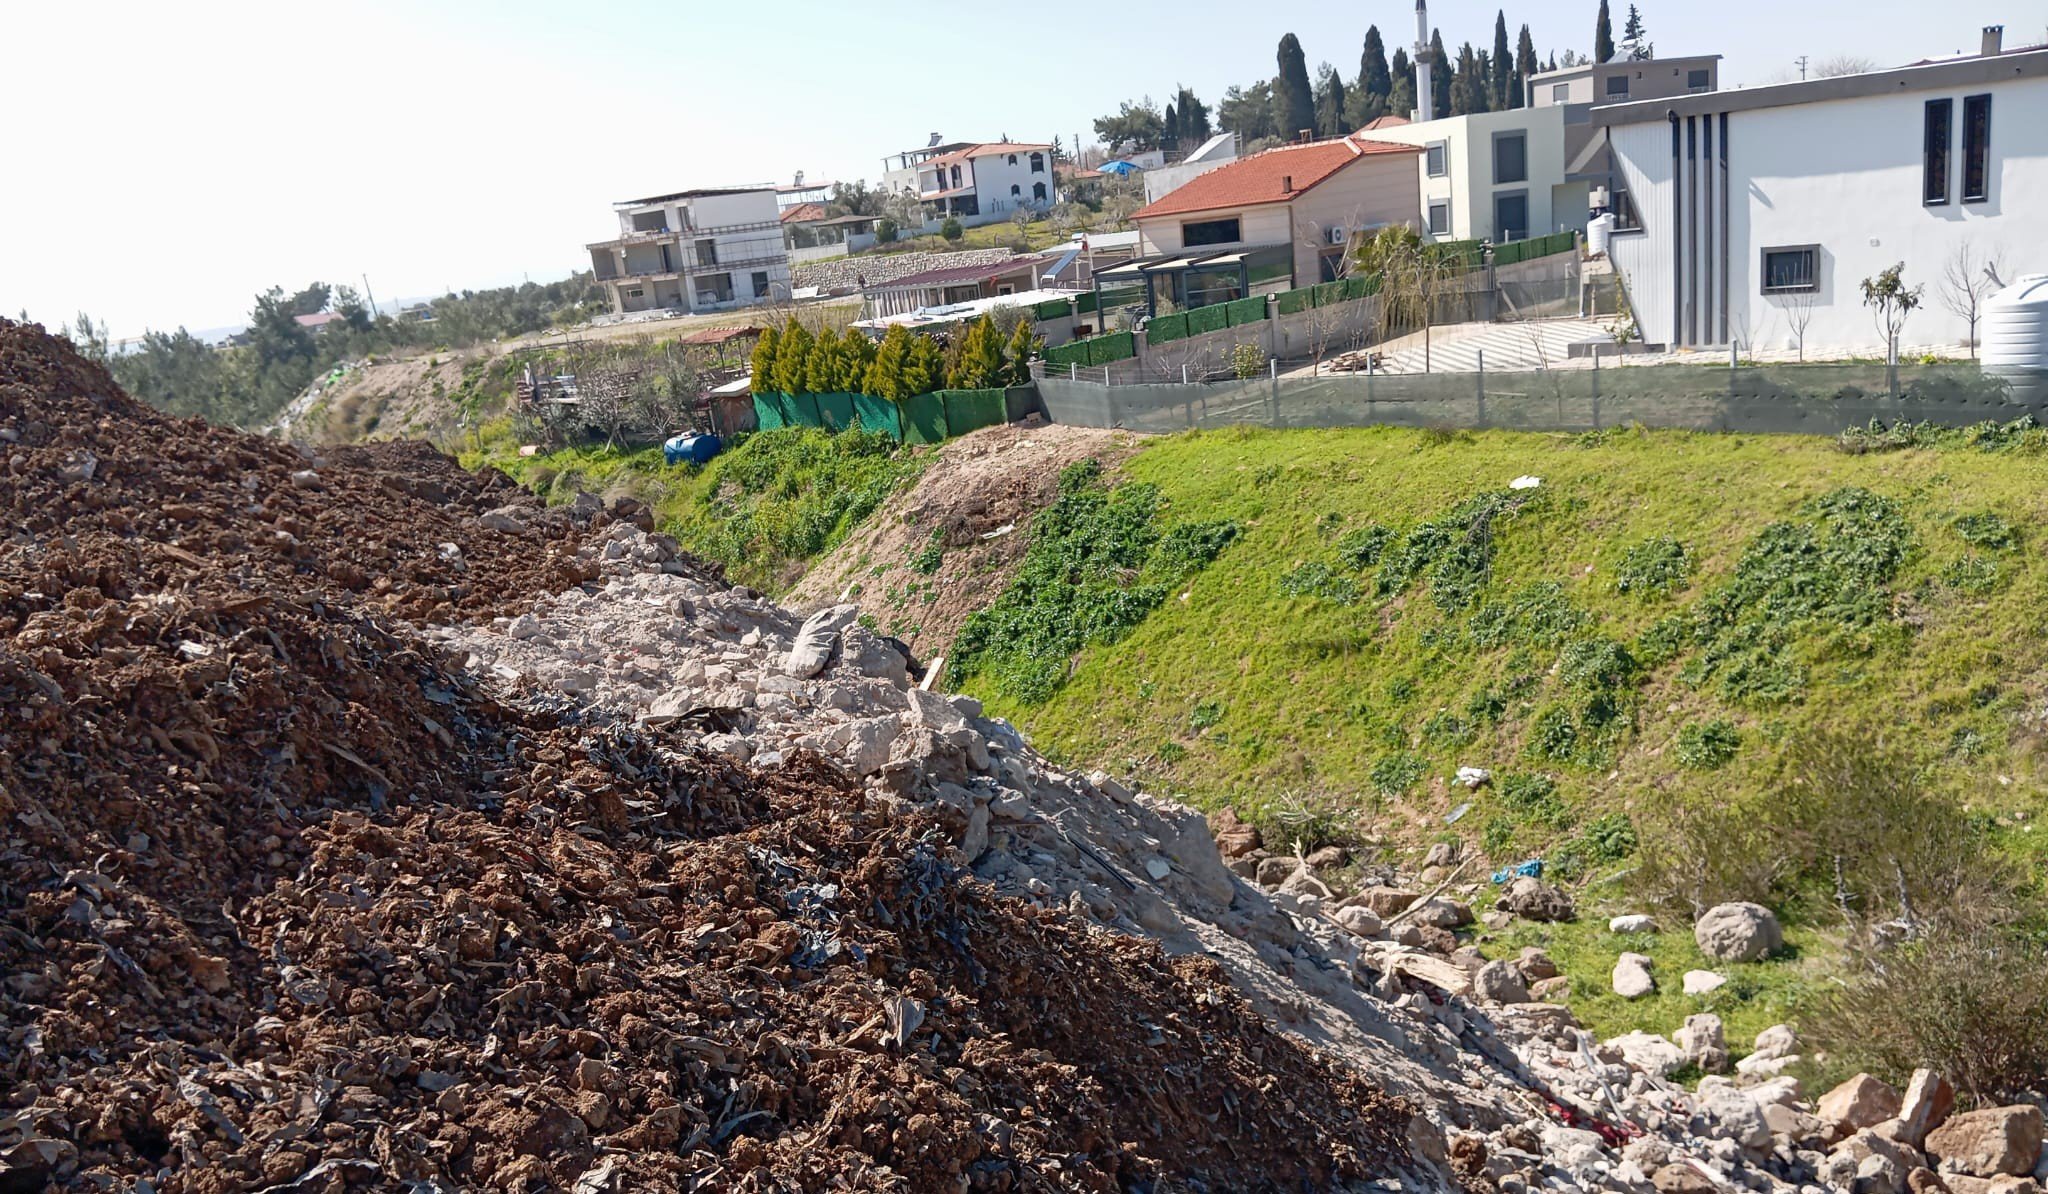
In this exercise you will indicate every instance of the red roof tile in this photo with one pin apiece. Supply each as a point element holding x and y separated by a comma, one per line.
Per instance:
<point>983,150</point>
<point>804,212</point>
<point>1390,120</point>
<point>1258,179</point>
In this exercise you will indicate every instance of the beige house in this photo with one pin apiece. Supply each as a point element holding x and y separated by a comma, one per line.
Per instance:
<point>1295,209</point>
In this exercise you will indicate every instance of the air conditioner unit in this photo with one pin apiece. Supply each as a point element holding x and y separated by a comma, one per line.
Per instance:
<point>1336,234</point>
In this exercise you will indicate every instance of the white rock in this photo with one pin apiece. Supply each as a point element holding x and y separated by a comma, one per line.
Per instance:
<point>1649,1052</point>
<point>1703,982</point>
<point>1158,868</point>
<point>1634,923</point>
<point>1632,976</point>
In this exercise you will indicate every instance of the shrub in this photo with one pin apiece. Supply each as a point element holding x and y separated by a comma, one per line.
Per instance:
<point>1533,797</point>
<point>1247,361</point>
<point>1455,552</point>
<point>1360,549</point>
<point>1971,574</point>
<point>1308,821</point>
<point>1986,530</point>
<point>1707,746</point>
<point>1206,714</point>
<point>1654,568</point>
<point>1394,774</point>
<point>932,554</point>
<point>951,229</point>
<point>1315,579</point>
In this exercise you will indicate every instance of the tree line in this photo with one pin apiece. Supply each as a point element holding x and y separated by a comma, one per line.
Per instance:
<point>248,382</point>
<point>794,360</point>
<point>1291,102</point>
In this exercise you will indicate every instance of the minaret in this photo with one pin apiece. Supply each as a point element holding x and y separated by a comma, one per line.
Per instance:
<point>1425,100</point>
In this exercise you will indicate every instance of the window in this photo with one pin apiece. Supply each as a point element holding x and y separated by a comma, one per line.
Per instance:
<point>760,283</point>
<point>1038,191</point>
<point>1210,232</point>
<point>1624,209</point>
<point>1439,219</point>
<point>1976,148</point>
<point>1793,269</point>
<point>1696,80</point>
<point>1510,216</point>
<point>1510,157</point>
<point>1015,190</point>
<point>635,292</point>
<point>956,175</point>
<point>1934,152</point>
<point>1560,93</point>
<point>1038,163</point>
<point>707,252</point>
<point>1013,159</point>
<point>1434,160</point>
<point>1617,87</point>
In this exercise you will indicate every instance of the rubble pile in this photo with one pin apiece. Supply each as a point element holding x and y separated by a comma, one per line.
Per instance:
<point>289,903</point>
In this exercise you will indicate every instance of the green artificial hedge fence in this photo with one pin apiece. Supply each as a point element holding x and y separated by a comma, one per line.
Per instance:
<point>924,419</point>
<point>879,414</point>
<point>836,409</point>
<point>1166,328</point>
<point>1207,319</point>
<point>1246,310</point>
<point>971,410</point>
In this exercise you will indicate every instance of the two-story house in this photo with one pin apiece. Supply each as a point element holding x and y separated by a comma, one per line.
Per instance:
<point>703,250</point>
<point>985,182</point>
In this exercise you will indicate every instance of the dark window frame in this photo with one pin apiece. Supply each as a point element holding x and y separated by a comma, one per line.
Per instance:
<point>1499,233</point>
<point>1038,193</point>
<point>1429,216</point>
<point>1977,148</point>
<point>1698,79</point>
<point>1611,81</point>
<point>761,282</point>
<point>1763,274</point>
<point>1503,138</point>
<point>1038,163</point>
<point>1560,93</point>
<point>1937,137</point>
<point>1188,236</point>
<point>1436,159</point>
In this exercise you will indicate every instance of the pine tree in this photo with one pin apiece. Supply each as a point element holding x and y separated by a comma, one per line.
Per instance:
<point>1468,84</point>
<point>1401,85</point>
<point>925,370</point>
<point>1503,72</point>
<point>764,362</point>
<point>856,353</point>
<point>886,372</point>
<point>1295,98</point>
<point>1372,66</point>
<point>1329,102</point>
<point>792,358</point>
<point>1172,123</point>
<point>1525,66</point>
<point>821,368</point>
<point>1440,77</point>
<point>1603,36</point>
<point>1632,36</point>
<point>1023,345</point>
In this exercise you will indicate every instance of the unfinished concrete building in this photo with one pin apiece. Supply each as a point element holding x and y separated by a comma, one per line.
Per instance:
<point>693,251</point>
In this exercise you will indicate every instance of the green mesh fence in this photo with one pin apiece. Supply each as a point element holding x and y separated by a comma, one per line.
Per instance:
<point>1246,310</point>
<point>836,409</point>
<point>924,419</point>
<point>879,414</point>
<point>1165,328</point>
<point>802,410</point>
<point>1051,309</point>
<point>971,410</point>
<point>768,412</point>
<point>1208,319</point>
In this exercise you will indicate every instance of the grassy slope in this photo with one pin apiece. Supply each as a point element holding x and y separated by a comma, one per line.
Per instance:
<point>1314,694</point>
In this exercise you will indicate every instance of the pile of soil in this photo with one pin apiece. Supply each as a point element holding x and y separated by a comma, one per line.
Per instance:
<point>288,903</point>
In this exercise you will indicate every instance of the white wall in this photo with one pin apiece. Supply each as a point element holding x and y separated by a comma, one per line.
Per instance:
<point>994,176</point>
<point>1845,175</point>
<point>1467,183</point>
<point>1373,190</point>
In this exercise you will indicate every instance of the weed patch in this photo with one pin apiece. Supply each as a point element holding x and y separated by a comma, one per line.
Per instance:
<point>1654,568</point>
<point>1707,746</point>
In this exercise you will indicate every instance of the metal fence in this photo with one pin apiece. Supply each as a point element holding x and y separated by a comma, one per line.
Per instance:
<point>1808,399</point>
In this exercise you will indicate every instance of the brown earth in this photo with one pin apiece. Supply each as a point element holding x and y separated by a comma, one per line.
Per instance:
<point>287,904</point>
<point>974,488</point>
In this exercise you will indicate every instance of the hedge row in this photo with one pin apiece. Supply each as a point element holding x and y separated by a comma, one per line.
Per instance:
<point>1097,350</point>
<point>1516,252</point>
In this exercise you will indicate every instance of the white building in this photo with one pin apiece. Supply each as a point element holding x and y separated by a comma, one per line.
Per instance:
<point>1497,176</point>
<point>1762,209</point>
<point>1219,150</point>
<point>975,182</point>
<point>703,250</point>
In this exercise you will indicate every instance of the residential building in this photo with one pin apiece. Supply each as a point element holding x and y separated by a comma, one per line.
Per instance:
<point>317,323</point>
<point>899,170</point>
<point>986,182</point>
<point>1762,209</point>
<point>702,250</point>
<point>1579,89</point>
<point>810,234</point>
<point>1272,221</point>
<point>1219,150</point>
<point>1495,176</point>
<point>797,192</point>
<point>947,285</point>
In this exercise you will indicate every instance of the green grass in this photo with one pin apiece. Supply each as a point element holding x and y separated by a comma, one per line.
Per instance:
<point>1654,628</point>
<point>765,509</point>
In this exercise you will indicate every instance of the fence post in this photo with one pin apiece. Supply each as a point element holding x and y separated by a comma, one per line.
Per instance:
<point>1073,371</point>
<point>1482,387</point>
<point>1183,373</point>
<point>1596,386</point>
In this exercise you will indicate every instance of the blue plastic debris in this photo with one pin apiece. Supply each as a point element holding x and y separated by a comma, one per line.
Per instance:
<point>1532,869</point>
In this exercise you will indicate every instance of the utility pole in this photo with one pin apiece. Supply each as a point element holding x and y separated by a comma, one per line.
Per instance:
<point>372,297</point>
<point>1802,68</point>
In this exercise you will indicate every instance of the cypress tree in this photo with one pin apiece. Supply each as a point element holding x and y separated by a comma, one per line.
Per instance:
<point>1372,66</point>
<point>856,352</point>
<point>1022,345</point>
<point>1603,36</point>
<point>925,370</point>
<point>1440,77</point>
<point>885,372</point>
<point>793,358</point>
<point>1296,99</point>
<point>764,362</point>
<point>1468,86</point>
<point>1525,66</point>
<point>1401,85</point>
<point>1503,79</point>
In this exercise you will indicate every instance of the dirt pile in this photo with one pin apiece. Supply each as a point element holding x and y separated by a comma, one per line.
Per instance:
<point>286,902</point>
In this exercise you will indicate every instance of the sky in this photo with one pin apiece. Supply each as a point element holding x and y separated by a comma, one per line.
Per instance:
<point>168,161</point>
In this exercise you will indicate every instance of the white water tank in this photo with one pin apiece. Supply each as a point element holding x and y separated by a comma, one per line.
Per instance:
<point>1599,230</point>
<point>2013,337</point>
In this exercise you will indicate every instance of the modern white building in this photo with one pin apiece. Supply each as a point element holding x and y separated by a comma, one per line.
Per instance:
<point>1762,209</point>
<point>1497,176</point>
<point>985,182</point>
<point>703,250</point>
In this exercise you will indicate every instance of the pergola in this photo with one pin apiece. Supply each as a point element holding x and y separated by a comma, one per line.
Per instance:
<point>1185,280</point>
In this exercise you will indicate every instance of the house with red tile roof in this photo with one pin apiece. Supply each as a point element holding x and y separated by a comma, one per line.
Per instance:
<point>977,182</point>
<point>1315,198</point>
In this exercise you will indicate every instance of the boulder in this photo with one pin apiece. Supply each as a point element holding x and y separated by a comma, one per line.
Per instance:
<point>1441,854</point>
<point>1500,982</point>
<point>1928,1100</point>
<point>817,640</point>
<point>1329,858</point>
<point>1303,882</point>
<point>1776,1041</point>
<point>1735,1115</point>
<point>1634,923</point>
<point>1703,1043</point>
<point>1235,838</point>
<point>1648,1052</point>
<point>1536,965</point>
<point>1632,976</point>
<point>1359,920</point>
<point>1738,932</point>
<point>1556,987</point>
<point>1272,872</point>
<point>1533,899</point>
<point>1384,902</point>
<point>1703,982</point>
<point>1438,912</point>
<point>1861,1102</point>
<point>1683,1177</point>
<point>1987,1143</point>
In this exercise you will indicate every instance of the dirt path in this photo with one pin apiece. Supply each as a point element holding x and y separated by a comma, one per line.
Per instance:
<point>978,497</point>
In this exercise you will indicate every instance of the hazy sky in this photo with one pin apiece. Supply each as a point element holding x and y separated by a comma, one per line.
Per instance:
<point>166,161</point>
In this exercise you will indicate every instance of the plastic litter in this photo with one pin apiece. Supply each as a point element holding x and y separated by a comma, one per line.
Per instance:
<point>1532,869</point>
